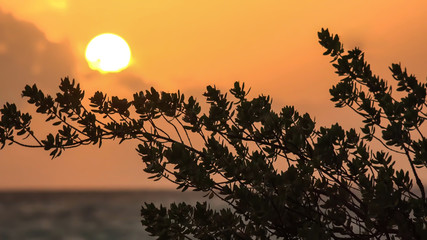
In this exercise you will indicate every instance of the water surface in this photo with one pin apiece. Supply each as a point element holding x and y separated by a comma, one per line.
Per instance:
<point>80,215</point>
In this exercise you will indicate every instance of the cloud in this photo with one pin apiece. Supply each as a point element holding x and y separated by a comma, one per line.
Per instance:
<point>132,82</point>
<point>27,57</point>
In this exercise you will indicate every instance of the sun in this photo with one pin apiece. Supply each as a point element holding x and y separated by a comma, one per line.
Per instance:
<point>108,52</point>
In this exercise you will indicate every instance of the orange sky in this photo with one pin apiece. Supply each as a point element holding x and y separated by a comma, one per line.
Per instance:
<point>270,45</point>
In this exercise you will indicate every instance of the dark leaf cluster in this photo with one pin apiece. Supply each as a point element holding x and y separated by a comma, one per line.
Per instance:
<point>279,175</point>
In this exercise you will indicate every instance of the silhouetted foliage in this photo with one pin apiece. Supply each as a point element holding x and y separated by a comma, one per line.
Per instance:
<point>332,186</point>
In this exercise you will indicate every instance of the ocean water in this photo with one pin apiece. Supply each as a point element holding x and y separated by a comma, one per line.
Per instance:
<point>82,215</point>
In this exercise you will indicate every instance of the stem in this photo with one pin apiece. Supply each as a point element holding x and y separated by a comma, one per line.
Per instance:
<point>417,178</point>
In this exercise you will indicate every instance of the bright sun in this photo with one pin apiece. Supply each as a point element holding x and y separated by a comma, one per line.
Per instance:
<point>108,53</point>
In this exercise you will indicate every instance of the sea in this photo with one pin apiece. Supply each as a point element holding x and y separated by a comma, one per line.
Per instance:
<point>82,215</point>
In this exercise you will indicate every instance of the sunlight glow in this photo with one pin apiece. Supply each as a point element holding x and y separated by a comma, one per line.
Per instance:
<point>108,53</point>
<point>59,4</point>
